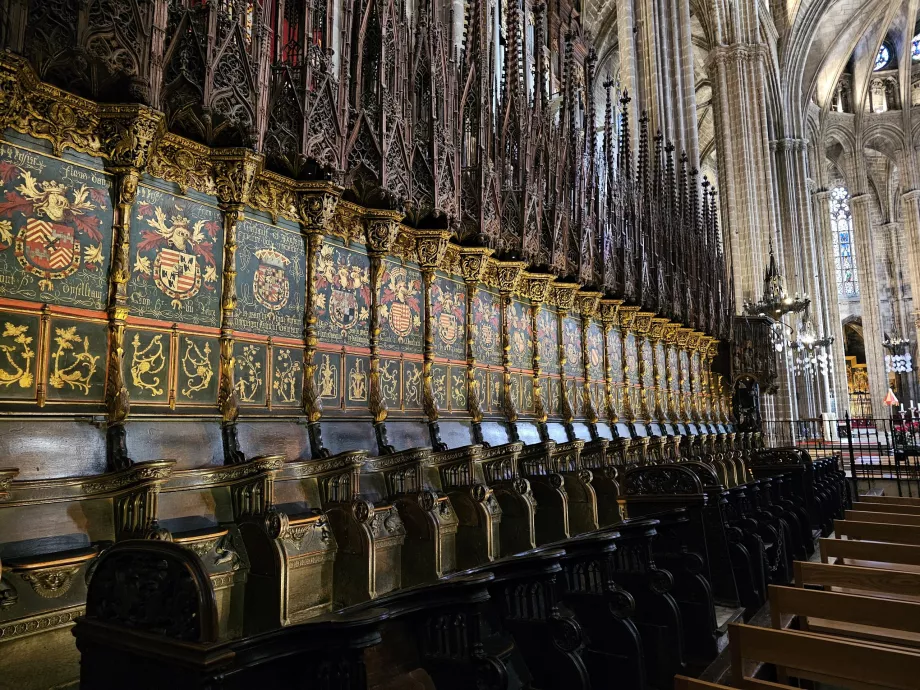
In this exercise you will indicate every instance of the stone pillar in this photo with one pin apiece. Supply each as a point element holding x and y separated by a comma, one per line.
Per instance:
<point>910,215</point>
<point>687,79</point>
<point>828,304</point>
<point>626,40</point>
<point>869,296</point>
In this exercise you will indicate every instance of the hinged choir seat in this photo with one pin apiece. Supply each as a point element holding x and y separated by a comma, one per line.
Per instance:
<point>344,549</point>
<point>207,510</point>
<point>566,502</point>
<point>51,532</point>
<point>601,456</point>
<point>402,480</point>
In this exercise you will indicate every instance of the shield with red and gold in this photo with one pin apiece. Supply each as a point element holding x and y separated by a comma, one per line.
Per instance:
<point>176,273</point>
<point>270,287</point>
<point>401,319</point>
<point>447,327</point>
<point>48,249</point>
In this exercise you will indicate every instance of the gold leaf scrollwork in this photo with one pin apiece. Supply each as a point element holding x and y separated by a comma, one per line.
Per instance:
<point>457,392</point>
<point>78,372</point>
<point>285,377</point>
<point>413,385</point>
<point>148,361</point>
<point>196,364</point>
<point>439,384</point>
<point>389,381</point>
<point>249,369</point>
<point>328,379</point>
<point>51,583</point>
<point>21,373</point>
<point>357,382</point>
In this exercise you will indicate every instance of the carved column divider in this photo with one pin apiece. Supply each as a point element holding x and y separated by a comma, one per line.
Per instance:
<point>683,334</point>
<point>508,276</point>
<point>608,309</point>
<point>587,303</point>
<point>316,204</point>
<point>642,325</point>
<point>627,316</point>
<point>430,246</point>
<point>473,261</point>
<point>656,334</point>
<point>670,338</point>
<point>382,227</point>
<point>563,296</point>
<point>538,287</point>
<point>131,133</point>
<point>693,342</point>
<point>235,172</point>
<point>704,347</point>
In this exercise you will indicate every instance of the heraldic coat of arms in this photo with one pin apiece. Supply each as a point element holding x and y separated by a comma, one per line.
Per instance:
<point>179,249</point>
<point>57,219</point>
<point>270,284</point>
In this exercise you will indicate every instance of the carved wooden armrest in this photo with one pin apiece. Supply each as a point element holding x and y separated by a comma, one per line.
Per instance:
<point>403,472</point>
<point>50,575</point>
<point>7,476</point>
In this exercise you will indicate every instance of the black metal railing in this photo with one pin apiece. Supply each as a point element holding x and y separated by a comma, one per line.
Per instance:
<point>870,449</point>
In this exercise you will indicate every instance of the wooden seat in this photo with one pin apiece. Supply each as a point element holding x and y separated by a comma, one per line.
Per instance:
<point>878,516</point>
<point>850,578</point>
<point>901,508</point>
<point>822,658</point>
<point>871,553</point>
<point>878,531</point>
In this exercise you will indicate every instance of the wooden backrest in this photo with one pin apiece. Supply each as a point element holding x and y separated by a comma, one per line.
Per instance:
<point>898,500</point>
<point>857,577</point>
<point>878,531</point>
<point>843,663</point>
<point>906,554</point>
<point>685,683</point>
<point>887,508</point>
<point>894,614</point>
<point>876,516</point>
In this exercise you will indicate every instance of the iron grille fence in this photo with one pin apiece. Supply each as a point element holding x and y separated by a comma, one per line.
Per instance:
<point>870,449</point>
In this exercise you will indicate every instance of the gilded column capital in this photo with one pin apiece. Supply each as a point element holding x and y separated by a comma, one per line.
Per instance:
<point>507,274</point>
<point>473,261</point>
<point>316,205</point>
<point>669,334</point>
<point>536,286</point>
<point>562,295</point>
<point>129,134</point>
<point>587,303</point>
<point>627,316</point>
<point>642,323</point>
<point>235,172</point>
<point>657,328</point>
<point>608,311</point>
<point>683,336</point>
<point>430,247</point>
<point>382,227</point>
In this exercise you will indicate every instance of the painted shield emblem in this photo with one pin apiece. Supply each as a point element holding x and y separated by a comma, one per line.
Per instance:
<point>48,249</point>
<point>270,287</point>
<point>487,335</point>
<point>401,319</point>
<point>343,308</point>
<point>176,273</point>
<point>447,327</point>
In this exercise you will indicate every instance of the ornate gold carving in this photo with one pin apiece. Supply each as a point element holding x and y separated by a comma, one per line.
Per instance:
<point>146,362</point>
<point>535,286</point>
<point>17,355</point>
<point>473,262</point>
<point>51,583</point>
<point>40,623</point>
<point>196,364</point>
<point>129,134</point>
<point>562,295</point>
<point>587,303</point>
<point>316,205</point>
<point>248,386</point>
<point>347,223</point>
<point>73,367</point>
<point>6,480</point>
<point>430,247</point>
<point>284,376</point>
<point>235,172</point>
<point>275,195</point>
<point>184,162</point>
<point>507,274</point>
<point>382,228</point>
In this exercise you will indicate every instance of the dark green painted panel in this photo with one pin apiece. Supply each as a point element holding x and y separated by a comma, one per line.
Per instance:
<point>448,309</point>
<point>18,355</point>
<point>343,295</point>
<point>520,333</point>
<point>147,358</point>
<point>249,372</point>
<point>76,360</point>
<point>401,308</point>
<point>55,230</point>
<point>457,383</point>
<point>176,259</point>
<point>287,376</point>
<point>199,370</point>
<point>487,340</point>
<point>357,381</point>
<point>270,280</point>
<point>390,381</point>
<point>329,377</point>
<point>412,385</point>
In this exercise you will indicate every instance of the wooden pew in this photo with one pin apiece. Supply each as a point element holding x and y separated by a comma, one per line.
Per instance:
<point>887,508</point>
<point>822,658</point>
<point>877,516</point>
<point>889,621</point>
<point>853,577</point>
<point>878,531</point>
<point>896,500</point>
<point>878,552</point>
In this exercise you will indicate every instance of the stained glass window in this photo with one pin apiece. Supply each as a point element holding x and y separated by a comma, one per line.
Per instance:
<point>915,49</point>
<point>883,57</point>
<point>844,259</point>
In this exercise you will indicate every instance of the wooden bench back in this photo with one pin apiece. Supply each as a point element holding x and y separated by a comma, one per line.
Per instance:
<point>821,658</point>
<point>887,508</point>
<point>897,500</point>
<point>857,577</point>
<point>878,531</point>
<point>906,554</point>
<point>876,516</point>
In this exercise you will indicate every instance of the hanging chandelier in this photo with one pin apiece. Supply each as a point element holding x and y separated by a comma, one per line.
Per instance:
<point>775,302</point>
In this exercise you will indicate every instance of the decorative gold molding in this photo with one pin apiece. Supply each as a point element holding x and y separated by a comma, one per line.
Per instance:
<point>562,295</point>
<point>536,286</point>
<point>40,623</point>
<point>6,480</point>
